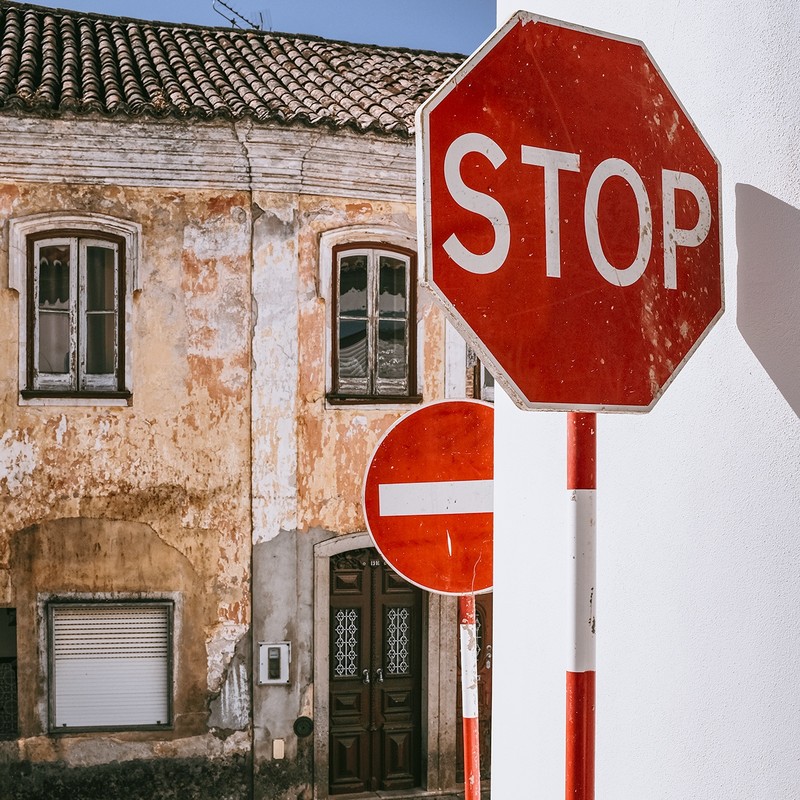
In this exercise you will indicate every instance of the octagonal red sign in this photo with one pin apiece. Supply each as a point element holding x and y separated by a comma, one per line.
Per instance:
<point>570,215</point>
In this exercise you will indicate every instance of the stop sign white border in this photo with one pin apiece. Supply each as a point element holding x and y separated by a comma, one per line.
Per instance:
<point>424,218</point>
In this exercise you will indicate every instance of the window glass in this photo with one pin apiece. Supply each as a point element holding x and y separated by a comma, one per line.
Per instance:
<point>54,277</point>
<point>391,349</point>
<point>54,342</point>
<point>373,339</point>
<point>353,361</point>
<point>100,310</point>
<point>392,289</point>
<point>100,283</point>
<point>100,340</point>
<point>54,309</point>
<point>353,286</point>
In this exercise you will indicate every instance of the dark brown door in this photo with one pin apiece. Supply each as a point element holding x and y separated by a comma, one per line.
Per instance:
<point>483,619</point>
<point>375,676</point>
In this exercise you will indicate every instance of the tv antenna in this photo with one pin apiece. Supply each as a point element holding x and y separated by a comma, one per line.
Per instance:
<point>234,20</point>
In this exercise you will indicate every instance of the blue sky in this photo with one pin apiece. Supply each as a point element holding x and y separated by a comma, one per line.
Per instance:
<point>446,25</point>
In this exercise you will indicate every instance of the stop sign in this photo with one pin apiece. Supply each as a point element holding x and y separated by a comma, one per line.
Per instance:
<point>570,215</point>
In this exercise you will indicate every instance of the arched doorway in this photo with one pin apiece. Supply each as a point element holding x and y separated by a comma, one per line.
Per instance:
<point>414,741</point>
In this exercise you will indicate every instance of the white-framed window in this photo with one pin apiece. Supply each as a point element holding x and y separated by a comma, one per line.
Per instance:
<point>373,323</point>
<point>110,665</point>
<point>75,324</point>
<point>75,274</point>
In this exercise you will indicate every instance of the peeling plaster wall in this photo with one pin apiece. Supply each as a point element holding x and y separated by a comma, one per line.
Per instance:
<point>154,497</point>
<point>228,454</point>
<point>308,457</point>
<point>335,442</point>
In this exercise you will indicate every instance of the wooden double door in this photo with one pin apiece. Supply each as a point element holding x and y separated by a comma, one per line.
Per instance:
<point>375,676</point>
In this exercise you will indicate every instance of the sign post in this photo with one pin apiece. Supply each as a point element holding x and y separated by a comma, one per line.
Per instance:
<point>428,504</point>
<point>581,484</point>
<point>569,211</point>
<point>469,697</point>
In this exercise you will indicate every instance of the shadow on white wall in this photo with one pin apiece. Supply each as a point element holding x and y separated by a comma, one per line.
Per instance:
<point>768,306</point>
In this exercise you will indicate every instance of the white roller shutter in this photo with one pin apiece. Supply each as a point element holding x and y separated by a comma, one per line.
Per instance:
<point>110,665</point>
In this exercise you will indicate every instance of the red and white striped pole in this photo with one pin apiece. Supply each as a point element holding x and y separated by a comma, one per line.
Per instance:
<point>469,697</point>
<point>582,486</point>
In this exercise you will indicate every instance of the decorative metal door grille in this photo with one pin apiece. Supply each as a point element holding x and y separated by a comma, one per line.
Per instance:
<point>398,620</point>
<point>345,647</point>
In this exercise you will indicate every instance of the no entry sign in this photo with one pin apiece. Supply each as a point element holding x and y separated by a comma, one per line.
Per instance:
<point>569,210</point>
<point>428,496</point>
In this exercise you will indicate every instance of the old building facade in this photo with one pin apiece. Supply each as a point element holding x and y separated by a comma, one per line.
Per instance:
<point>211,311</point>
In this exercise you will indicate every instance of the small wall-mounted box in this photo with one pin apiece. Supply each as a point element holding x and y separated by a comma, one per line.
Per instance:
<point>273,662</point>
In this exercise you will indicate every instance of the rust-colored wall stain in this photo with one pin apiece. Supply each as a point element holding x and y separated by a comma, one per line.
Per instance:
<point>335,443</point>
<point>228,438</point>
<point>154,497</point>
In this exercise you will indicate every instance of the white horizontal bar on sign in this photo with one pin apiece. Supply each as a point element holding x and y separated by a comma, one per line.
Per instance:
<point>435,497</point>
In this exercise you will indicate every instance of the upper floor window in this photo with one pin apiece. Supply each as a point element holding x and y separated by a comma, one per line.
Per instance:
<point>374,324</point>
<point>75,283</point>
<point>74,274</point>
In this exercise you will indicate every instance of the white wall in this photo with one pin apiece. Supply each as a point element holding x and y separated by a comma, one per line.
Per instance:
<point>698,501</point>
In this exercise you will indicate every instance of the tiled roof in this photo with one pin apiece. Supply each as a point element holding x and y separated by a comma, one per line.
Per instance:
<point>55,62</point>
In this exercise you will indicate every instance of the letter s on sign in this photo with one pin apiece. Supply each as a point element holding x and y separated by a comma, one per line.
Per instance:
<point>477,202</point>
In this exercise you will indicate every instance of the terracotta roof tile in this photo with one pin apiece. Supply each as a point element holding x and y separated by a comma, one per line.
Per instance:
<point>54,62</point>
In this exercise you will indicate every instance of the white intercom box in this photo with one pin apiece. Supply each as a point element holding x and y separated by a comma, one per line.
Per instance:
<point>273,662</point>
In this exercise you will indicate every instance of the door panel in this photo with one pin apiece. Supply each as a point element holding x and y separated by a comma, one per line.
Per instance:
<point>376,660</point>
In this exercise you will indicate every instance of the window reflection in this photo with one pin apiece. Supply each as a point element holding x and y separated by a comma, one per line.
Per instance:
<point>392,289</point>
<point>391,349</point>
<point>353,286</point>
<point>54,309</point>
<point>353,349</point>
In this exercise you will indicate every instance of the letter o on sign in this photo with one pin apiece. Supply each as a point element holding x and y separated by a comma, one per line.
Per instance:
<point>620,276</point>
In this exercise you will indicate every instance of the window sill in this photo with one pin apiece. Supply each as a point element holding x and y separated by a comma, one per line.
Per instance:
<point>372,399</point>
<point>50,397</point>
<point>110,729</point>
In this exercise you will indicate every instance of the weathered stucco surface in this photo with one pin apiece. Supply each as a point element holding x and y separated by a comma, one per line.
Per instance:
<point>228,459</point>
<point>309,457</point>
<point>152,499</point>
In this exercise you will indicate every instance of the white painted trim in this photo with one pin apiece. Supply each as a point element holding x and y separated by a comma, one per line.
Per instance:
<point>207,155</point>
<point>582,598</point>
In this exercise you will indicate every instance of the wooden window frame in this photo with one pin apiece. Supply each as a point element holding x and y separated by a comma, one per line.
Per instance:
<point>77,383</point>
<point>340,395</point>
<point>54,604</point>
<point>94,225</point>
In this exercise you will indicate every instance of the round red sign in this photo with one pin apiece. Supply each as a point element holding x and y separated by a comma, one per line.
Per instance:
<point>428,496</point>
<point>571,216</point>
